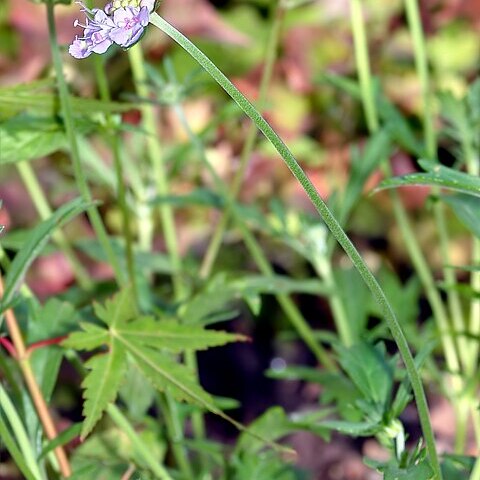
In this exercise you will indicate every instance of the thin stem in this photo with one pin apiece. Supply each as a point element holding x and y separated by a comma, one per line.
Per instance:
<point>40,202</point>
<point>421,64</point>
<point>154,150</point>
<point>104,90</point>
<point>331,223</point>
<point>288,306</point>
<point>142,449</point>
<point>82,184</point>
<point>410,240</point>
<point>363,65</point>
<point>175,434</point>
<point>269,62</point>
<point>323,268</point>
<point>32,386</point>
<point>473,168</point>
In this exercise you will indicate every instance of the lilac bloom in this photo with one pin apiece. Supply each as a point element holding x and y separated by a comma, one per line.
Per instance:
<point>130,23</point>
<point>122,22</point>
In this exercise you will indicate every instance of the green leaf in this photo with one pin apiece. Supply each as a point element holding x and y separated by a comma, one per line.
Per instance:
<point>62,438</point>
<point>362,166</point>
<point>168,375</point>
<point>276,284</point>
<point>34,246</point>
<point>92,336</point>
<point>11,446</point>
<point>144,261</point>
<point>136,392</point>
<point>369,370</point>
<point>172,336</point>
<point>273,424</point>
<point>26,138</point>
<point>51,320</point>
<point>117,310</point>
<point>34,98</point>
<point>399,128</point>
<point>467,209</point>
<point>421,471</point>
<point>353,429</point>
<point>457,467</point>
<point>101,384</point>
<point>144,341</point>
<point>199,197</point>
<point>353,292</point>
<point>436,175</point>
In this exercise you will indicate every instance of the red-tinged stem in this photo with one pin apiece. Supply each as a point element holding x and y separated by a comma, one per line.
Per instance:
<point>44,343</point>
<point>8,346</point>
<point>21,354</point>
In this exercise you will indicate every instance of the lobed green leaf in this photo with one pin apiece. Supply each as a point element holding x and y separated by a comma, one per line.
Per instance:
<point>101,384</point>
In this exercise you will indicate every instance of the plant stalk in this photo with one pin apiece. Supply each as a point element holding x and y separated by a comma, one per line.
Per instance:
<point>38,399</point>
<point>331,223</point>
<point>80,178</point>
<point>269,62</point>
<point>40,202</point>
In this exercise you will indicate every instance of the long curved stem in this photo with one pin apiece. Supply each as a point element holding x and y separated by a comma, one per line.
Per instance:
<point>331,223</point>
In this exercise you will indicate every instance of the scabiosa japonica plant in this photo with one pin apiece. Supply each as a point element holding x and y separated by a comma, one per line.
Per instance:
<point>121,22</point>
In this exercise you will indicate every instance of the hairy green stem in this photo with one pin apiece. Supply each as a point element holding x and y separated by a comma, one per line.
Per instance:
<point>80,178</point>
<point>329,220</point>
<point>269,62</point>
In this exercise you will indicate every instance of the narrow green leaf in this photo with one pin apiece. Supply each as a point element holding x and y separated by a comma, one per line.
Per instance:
<point>23,138</point>
<point>273,424</point>
<point>436,175</point>
<point>34,246</point>
<point>144,261</point>
<point>199,197</point>
<point>172,336</point>
<point>62,438</point>
<point>354,429</point>
<point>467,209</point>
<point>9,442</point>
<point>101,384</point>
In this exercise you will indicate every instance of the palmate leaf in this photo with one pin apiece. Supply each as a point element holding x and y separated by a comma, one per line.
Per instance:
<point>101,384</point>
<point>167,375</point>
<point>172,336</point>
<point>117,310</point>
<point>90,338</point>
<point>144,340</point>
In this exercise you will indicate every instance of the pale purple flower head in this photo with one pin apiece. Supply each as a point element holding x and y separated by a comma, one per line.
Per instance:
<point>121,22</point>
